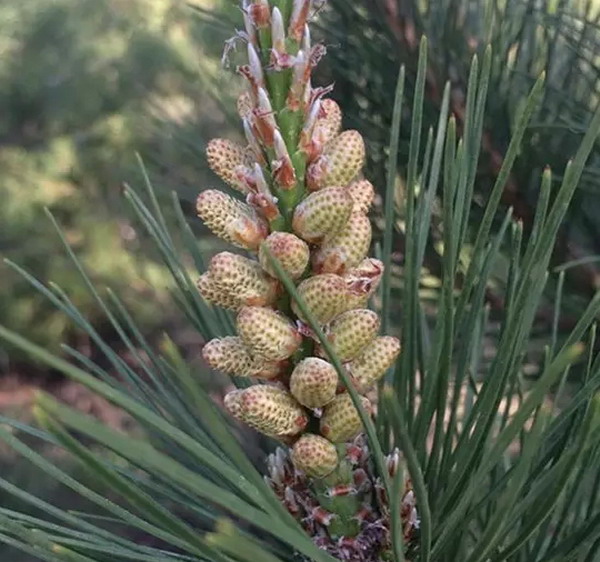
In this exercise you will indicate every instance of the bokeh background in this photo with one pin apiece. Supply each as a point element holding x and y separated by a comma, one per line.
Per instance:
<point>90,89</point>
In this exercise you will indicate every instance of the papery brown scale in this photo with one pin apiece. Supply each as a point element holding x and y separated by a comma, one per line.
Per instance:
<point>260,13</point>
<point>244,70</point>
<point>283,169</point>
<point>362,282</point>
<point>253,141</point>
<point>281,61</point>
<point>264,126</point>
<point>300,82</point>
<point>262,199</point>
<point>298,19</point>
<point>316,54</point>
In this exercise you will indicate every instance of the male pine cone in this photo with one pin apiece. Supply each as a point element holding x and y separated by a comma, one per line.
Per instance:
<point>305,205</point>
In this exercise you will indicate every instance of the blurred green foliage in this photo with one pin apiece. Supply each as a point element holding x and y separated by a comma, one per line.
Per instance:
<point>84,85</point>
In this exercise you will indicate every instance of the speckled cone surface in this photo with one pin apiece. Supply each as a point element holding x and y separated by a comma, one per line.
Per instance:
<point>346,248</point>
<point>362,193</point>
<point>352,331</point>
<point>314,455</point>
<point>292,252</point>
<point>243,278</point>
<point>229,355</point>
<point>322,213</point>
<point>340,421</point>
<point>233,403</point>
<point>324,295</point>
<point>230,219</point>
<point>267,333</point>
<point>314,382</point>
<point>374,361</point>
<point>329,123</point>
<point>212,294</point>
<point>271,410</point>
<point>341,162</point>
<point>229,161</point>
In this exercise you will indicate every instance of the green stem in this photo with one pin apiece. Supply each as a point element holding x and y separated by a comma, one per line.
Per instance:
<point>343,507</point>
<point>285,6</point>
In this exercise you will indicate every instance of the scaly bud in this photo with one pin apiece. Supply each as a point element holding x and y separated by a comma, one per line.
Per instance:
<point>253,143</point>
<point>324,295</point>
<point>306,40</point>
<point>293,254</point>
<point>229,355</point>
<point>255,66</point>
<point>278,31</point>
<point>362,193</point>
<point>345,249</point>
<point>249,27</point>
<point>340,163</point>
<point>267,333</point>
<point>314,382</point>
<point>212,293</point>
<point>243,278</point>
<point>299,18</point>
<point>230,161</point>
<point>272,411</point>
<point>261,197</point>
<point>245,105</point>
<point>352,331</point>
<point>340,421</point>
<point>299,81</point>
<point>253,71</point>
<point>283,169</point>
<point>362,282</point>
<point>230,219</point>
<point>374,361</point>
<point>307,143</point>
<point>264,119</point>
<point>314,455</point>
<point>322,213</point>
<point>316,54</point>
<point>308,95</point>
